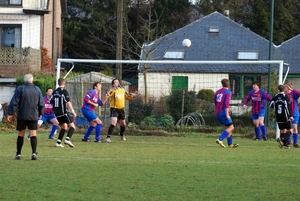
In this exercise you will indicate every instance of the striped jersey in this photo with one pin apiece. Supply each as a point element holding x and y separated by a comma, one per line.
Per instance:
<point>258,100</point>
<point>93,97</point>
<point>222,99</point>
<point>293,96</point>
<point>48,109</point>
<point>59,100</point>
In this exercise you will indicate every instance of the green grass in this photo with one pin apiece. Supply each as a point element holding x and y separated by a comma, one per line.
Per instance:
<point>149,168</point>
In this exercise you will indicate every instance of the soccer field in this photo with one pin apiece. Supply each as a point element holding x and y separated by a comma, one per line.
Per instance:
<point>149,168</point>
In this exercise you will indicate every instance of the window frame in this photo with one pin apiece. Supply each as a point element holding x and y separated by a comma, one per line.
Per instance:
<point>11,4</point>
<point>178,55</point>
<point>242,55</point>
<point>11,26</point>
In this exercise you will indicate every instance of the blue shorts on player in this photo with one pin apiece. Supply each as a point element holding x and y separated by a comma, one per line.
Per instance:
<point>261,113</point>
<point>89,115</point>
<point>223,119</point>
<point>47,117</point>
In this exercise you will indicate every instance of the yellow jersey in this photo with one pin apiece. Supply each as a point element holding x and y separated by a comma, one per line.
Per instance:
<point>118,97</point>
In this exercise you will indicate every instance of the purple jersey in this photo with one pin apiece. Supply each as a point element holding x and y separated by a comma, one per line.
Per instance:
<point>258,100</point>
<point>293,96</point>
<point>48,109</point>
<point>91,96</point>
<point>222,99</point>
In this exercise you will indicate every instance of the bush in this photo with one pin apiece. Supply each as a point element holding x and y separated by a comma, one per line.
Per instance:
<point>149,122</point>
<point>174,102</point>
<point>205,107</point>
<point>138,110</point>
<point>206,94</point>
<point>166,121</point>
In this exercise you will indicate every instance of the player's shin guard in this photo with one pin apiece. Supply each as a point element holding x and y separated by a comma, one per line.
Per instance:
<point>20,141</point>
<point>54,128</point>
<point>295,138</point>
<point>110,130</point>
<point>229,140</point>
<point>98,132</point>
<point>33,142</point>
<point>263,130</point>
<point>70,132</point>
<point>122,129</point>
<point>257,133</point>
<point>61,134</point>
<point>88,132</point>
<point>285,137</point>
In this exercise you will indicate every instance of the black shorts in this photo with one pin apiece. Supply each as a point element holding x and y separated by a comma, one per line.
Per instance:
<point>120,113</point>
<point>285,125</point>
<point>23,124</point>
<point>64,119</point>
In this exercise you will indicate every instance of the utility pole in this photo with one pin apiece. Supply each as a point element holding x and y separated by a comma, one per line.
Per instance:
<point>270,54</point>
<point>119,45</point>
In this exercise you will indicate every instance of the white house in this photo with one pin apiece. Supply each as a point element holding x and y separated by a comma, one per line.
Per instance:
<point>27,26</point>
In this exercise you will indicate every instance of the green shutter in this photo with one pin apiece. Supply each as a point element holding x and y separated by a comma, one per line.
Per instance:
<point>179,82</point>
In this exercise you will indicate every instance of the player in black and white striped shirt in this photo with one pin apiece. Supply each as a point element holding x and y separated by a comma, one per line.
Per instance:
<point>282,107</point>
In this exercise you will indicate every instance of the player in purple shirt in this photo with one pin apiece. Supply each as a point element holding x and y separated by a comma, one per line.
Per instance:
<point>293,95</point>
<point>90,101</point>
<point>222,99</point>
<point>258,98</point>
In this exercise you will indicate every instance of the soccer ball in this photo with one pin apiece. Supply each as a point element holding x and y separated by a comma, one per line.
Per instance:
<point>186,43</point>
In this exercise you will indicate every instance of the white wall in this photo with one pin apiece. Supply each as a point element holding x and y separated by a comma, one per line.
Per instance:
<point>6,93</point>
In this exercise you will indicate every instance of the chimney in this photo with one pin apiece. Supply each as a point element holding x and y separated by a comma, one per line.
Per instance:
<point>226,13</point>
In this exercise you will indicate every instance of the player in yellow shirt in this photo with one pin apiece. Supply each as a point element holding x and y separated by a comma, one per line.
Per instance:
<point>117,95</point>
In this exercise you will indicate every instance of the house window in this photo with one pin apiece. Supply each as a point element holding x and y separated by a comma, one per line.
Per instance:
<point>241,85</point>
<point>179,82</point>
<point>10,35</point>
<point>11,2</point>
<point>247,55</point>
<point>213,30</point>
<point>177,55</point>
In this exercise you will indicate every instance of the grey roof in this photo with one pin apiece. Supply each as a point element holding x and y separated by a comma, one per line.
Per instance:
<point>289,51</point>
<point>225,45</point>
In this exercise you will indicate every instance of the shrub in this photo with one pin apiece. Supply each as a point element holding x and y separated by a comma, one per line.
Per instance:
<point>174,102</point>
<point>166,121</point>
<point>206,94</point>
<point>205,107</point>
<point>149,122</point>
<point>138,110</point>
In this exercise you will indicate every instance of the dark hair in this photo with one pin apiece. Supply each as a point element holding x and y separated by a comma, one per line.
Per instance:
<point>48,88</point>
<point>256,82</point>
<point>112,82</point>
<point>281,88</point>
<point>95,84</point>
<point>60,81</point>
<point>225,82</point>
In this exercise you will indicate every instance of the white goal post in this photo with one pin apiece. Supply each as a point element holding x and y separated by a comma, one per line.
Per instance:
<point>280,64</point>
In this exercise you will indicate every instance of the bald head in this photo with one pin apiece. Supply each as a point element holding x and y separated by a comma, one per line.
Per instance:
<point>28,78</point>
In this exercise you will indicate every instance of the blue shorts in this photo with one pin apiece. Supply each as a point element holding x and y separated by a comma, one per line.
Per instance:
<point>296,120</point>
<point>89,115</point>
<point>261,113</point>
<point>223,120</point>
<point>47,117</point>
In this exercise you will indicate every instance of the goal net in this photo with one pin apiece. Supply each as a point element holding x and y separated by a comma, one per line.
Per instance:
<point>156,80</point>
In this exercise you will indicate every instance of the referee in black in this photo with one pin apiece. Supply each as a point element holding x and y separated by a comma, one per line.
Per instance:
<point>282,107</point>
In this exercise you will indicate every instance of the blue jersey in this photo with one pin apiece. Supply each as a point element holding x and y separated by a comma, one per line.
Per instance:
<point>258,100</point>
<point>222,99</point>
<point>293,96</point>
<point>91,96</point>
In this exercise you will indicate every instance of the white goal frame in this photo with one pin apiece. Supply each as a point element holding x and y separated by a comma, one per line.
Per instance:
<point>280,64</point>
